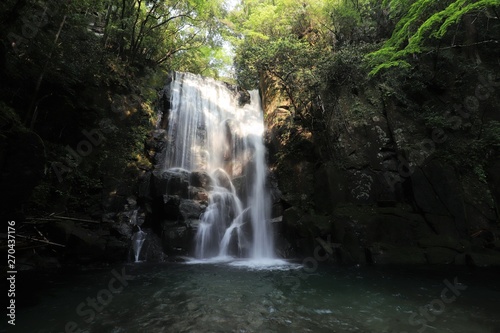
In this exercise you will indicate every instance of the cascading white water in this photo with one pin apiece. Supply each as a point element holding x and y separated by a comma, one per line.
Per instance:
<point>138,239</point>
<point>208,130</point>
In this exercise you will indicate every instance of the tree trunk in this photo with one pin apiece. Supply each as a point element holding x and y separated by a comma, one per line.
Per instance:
<point>33,106</point>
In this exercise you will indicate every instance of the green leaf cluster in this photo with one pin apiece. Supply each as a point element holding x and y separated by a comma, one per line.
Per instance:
<point>425,20</point>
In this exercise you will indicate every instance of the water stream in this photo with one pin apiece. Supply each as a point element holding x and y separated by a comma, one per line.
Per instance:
<point>138,239</point>
<point>211,129</point>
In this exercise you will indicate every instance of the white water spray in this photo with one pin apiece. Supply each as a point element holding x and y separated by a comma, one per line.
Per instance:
<point>209,130</point>
<point>138,239</point>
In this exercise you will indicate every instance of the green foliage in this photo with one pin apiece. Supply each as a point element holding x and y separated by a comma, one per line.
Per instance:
<point>425,20</point>
<point>265,18</point>
<point>156,31</point>
<point>288,48</point>
<point>357,21</point>
<point>293,63</point>
<point>346,67</point>
<point>138,32</point>
<point>315,48</point>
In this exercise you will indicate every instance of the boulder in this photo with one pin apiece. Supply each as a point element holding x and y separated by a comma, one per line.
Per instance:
<point>222,179</point>
<point>200,179</point>
<point>198,193</point>
<point>171,205</point>
<point>171,182</point>
<point>193,223</point>
<point>152,249</point>
<point>176,239</point>
<point>191,209</point>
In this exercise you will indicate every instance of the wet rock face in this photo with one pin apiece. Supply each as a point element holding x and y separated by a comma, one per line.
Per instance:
<point>173,182</point>
<point>191,209</point>
<point>198,193</point>
<point>223,179</point>
<point>171,205</point>
<point>353,183</point>
<point>200,179</point>
<point>174,199</point>
<point>177,199</point>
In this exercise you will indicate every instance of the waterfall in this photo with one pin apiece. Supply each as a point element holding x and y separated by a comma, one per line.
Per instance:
<point>139,236</point>
<point>138,239</point>
<point>217,129</point>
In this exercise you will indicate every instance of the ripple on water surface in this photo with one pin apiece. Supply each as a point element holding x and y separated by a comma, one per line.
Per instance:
<point>267,296</point>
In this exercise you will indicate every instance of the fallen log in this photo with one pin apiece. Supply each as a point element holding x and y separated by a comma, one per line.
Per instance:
<point>54,218</point>
<point>74,219</point>
<point>40,240</point>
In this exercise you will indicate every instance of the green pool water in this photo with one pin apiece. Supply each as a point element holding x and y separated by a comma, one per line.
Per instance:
<point>236,297</point>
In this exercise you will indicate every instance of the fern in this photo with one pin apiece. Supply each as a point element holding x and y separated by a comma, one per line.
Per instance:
<point>389,64</point>
<point>409,36</point>
<point>458,14</point>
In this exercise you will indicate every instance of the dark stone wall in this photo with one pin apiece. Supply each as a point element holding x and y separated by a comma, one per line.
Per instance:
<point>375,184</point>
